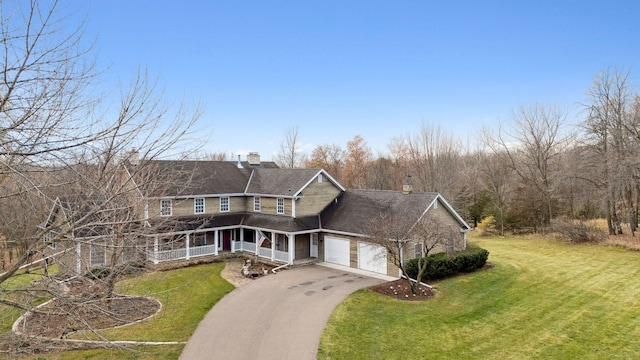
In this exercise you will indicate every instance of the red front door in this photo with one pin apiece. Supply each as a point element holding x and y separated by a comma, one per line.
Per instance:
<point>226,240</point>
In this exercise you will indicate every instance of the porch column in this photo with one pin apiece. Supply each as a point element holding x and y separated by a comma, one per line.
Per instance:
<point>216,239</point>
<point>241,239</point>
<point>187,248</point>
<point>256,237</point>
<point>273,246</point>
<point>78,258</point>
<point>292,248</point>
<point>155,249</point>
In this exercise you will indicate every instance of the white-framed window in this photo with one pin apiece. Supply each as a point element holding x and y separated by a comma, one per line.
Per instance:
<point>224,204</point>
<point>280,206</point>
<point>48,239</point>
<point>166,207</point>
<point>97,254</point>
<point>320,178</point>
<point>417,251</point>
<point>198,206</point>
<point>256,203</point>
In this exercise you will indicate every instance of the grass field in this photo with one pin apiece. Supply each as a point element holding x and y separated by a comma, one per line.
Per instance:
<point>543,299</point>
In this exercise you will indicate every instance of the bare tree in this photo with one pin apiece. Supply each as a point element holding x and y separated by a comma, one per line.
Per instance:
<point>533,143</point>
<point>404,239</point>
<point>291,155</point>
<point>607,108</point>
<point>434,158</point>
<point>55,145</point>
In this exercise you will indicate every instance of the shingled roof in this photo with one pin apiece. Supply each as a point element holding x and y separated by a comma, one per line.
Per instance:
<point>192,177</point>
<point>265,221</point>
<point>283,182</point>
<point>355,210</point>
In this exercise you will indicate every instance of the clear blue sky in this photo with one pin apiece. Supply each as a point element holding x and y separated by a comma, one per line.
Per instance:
<point>378,69</point>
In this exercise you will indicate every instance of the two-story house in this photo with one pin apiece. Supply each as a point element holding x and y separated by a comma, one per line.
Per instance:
<point>208,208</point>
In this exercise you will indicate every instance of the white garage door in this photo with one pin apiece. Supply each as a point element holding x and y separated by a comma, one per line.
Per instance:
<point>336,250</point>
<point>372,257</point>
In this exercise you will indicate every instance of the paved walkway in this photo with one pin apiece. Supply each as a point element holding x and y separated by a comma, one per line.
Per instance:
<point>278,316</point>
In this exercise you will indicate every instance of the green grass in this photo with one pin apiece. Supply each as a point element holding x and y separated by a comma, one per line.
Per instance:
<point>543,299</point>
<point>8,314</point>
<point>186,295</point>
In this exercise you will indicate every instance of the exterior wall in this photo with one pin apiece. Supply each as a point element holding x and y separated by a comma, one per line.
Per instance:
<point>316,197</point>
<point>353,249</point>
<point>268,205</point>
<point>444,215</point>
<point>67,260</point>
<point>392,268</point>
<point>302,245</point>
<point>180,207</point>
<point>185,207</point>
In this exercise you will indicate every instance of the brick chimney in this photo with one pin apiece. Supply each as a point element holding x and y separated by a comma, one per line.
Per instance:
<point>253,158</point>
<point>407,187</point>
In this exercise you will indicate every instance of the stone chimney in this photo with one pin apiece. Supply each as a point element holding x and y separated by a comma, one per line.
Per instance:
<point>134,157</point>
<point>407,187</point>
<point>253,158</point>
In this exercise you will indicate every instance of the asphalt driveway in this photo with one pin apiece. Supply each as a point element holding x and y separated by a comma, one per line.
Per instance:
<point>279,316</point>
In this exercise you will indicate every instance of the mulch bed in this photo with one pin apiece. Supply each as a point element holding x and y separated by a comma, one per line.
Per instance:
<point>58,319</point>
<point>400,289</point>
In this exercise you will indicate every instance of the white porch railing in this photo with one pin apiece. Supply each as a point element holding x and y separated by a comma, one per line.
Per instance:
<point>265,252</point>
<point>282,256</point>
<point>167,255</point>
<point>181,254</point>
<point>202,250</point>
<point>247,246</point>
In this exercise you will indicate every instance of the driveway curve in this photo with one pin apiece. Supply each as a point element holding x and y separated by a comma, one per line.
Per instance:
<point>279,316</point>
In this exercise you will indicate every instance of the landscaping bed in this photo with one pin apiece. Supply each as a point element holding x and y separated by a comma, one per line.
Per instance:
<point>400,289</point>
<point>57,319</point>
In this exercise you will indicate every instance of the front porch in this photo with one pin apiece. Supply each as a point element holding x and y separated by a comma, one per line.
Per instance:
<point>273,246</point>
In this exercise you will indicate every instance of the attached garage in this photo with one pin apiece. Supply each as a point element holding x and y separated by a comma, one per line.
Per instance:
<point>372,257</point>
<point>336,250</point>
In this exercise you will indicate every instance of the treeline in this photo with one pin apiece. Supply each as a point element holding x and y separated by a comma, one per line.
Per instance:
<point>525,173</point>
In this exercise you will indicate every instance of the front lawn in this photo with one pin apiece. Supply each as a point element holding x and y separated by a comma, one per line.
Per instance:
<point>8,314</point>
<point>186,295</point>
<point>543,299</point>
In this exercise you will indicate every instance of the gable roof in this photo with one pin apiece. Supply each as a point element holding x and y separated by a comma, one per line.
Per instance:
<point>87,216</point>
<point>355,210</point>
<point>283,182</point>
<point>192,177</point>
<point>183,178</point>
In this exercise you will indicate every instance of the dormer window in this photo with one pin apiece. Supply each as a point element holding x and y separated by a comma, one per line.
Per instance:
<point>320,178</point>
<point>256,203</point>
